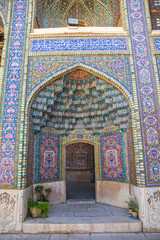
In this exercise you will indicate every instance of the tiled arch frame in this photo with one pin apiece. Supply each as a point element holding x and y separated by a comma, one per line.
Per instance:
<point>84,67</point>
<point>52,78</point>
<point>20,129</point>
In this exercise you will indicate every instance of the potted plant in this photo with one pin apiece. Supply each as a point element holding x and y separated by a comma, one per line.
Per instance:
<point>38,209</point>
<point>130,204</point>
<point>34,208</point>
<point>133,206</point>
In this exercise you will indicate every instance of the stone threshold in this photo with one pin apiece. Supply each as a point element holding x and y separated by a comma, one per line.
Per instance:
<point>79,201</point>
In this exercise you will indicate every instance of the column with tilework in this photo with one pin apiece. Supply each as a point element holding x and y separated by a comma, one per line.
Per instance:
<point>148,196</point>
<point>12,103</point>
<point>148,105</point>
<point>12,93</point>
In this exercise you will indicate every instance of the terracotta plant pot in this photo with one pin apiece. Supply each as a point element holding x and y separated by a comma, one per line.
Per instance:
<point>35,212</point>
<point>130,211</point>
<point>134,214</point>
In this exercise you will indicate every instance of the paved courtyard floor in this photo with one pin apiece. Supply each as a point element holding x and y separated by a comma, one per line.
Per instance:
<point>106,236</point>
<point>77,218</point>
<point>71,213</point>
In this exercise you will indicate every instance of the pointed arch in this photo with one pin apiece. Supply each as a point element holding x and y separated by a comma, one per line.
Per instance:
<point>100,74</point>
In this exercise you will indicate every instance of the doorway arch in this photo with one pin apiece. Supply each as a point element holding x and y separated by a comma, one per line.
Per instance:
<point>85,138</point>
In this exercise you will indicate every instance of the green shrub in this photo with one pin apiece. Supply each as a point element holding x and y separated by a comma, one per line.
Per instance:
<point>133,203</point>
<point>39,205</point>
<point>45,208</point>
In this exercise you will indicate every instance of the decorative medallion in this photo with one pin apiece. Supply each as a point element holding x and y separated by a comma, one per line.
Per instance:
<point>147,90</point>
<point>150,120</point>
<point>7,162</point>
<point>136,15</point>
<point>135,5</point>
<point>137,26</point>
<point>8,147</point>
<point>143,63</point>
<point>139,38</point>
<point>145,76</point>
<point>152,136</point>
<point>153,153</point>
<point>155,170</point>
<point>148,105</point>
<point>141,50</point>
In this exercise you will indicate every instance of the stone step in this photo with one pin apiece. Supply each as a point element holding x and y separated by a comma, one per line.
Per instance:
<point>83,218</point>
<point>82,225</point>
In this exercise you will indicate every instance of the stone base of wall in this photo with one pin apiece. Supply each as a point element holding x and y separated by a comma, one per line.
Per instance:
<point>58,194</point>
<point>13,209</point>
<point>14,203</point>
<point>149,207</point>
<point>112,193</point>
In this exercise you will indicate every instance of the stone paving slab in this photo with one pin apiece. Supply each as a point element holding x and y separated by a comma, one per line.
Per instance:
<point>152,236</point>
<point>14,237</point>
<point>59,237</point>
<point>123,236</point>
<point>79,237</point>
<point>102,236</point>
<point>39,237</point>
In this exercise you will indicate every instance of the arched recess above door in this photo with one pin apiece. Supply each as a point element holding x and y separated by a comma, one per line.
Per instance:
<point>55,13</point>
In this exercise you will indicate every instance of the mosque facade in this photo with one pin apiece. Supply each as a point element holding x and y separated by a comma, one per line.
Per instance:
<point>80,101</point>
